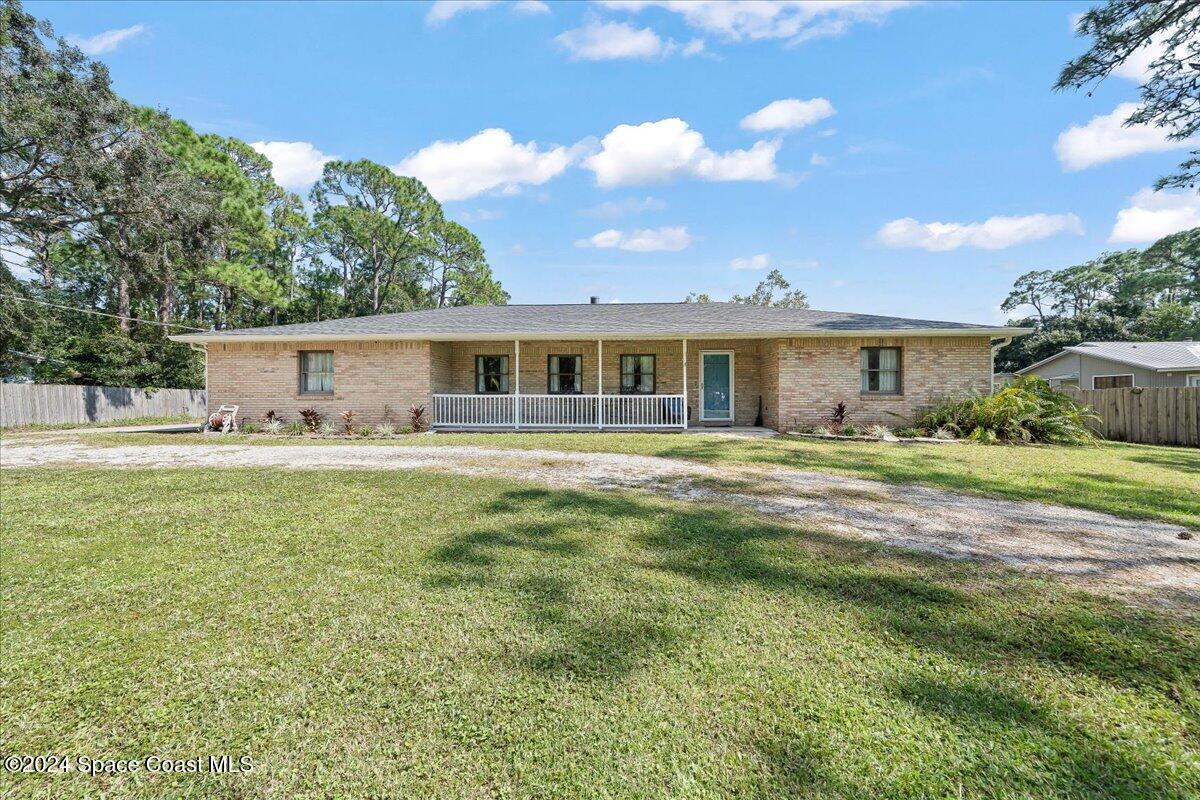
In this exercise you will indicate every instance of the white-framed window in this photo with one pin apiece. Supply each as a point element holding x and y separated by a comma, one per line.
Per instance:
<point>1124,381</point>
<point>637,374</point>
<point>564,374</point>
<point>316,372</point>
<point>491,374</point>
<point>1194,380</point>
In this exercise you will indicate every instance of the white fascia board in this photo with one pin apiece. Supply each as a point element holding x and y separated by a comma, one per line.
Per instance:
<point>217,338</point>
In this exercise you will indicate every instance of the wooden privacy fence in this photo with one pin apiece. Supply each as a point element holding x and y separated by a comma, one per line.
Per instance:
<point>36,404</point>
<point>1169,415</point>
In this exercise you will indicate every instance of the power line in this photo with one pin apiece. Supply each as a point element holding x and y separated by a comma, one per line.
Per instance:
<point>106,314</point>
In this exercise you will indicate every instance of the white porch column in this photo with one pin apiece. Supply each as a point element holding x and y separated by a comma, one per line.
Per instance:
<point>600,383</point>
<point>517,396</point>
<point>685,388</point>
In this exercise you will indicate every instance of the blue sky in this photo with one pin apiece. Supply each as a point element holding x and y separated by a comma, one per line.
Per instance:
<point>888,158</point>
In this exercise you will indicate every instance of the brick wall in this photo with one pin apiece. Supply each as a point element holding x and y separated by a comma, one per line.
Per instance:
<point>815,373</point>
<point>264,376</point>
<point>769,376</point>
<point>799,380</point>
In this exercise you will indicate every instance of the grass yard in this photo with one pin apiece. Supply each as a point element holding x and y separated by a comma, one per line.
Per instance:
<point>128,422</point>
<point>370,634</point>
<point>1128,480</point>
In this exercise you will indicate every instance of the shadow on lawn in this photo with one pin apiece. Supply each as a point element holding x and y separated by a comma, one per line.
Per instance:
<point>989,620</point>
<point>972,613</point>
<point>1187,460</point>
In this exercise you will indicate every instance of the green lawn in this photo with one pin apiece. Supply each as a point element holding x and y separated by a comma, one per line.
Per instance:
<point>372,634</point>
<point>128,422</point>
<point>1138,481</point>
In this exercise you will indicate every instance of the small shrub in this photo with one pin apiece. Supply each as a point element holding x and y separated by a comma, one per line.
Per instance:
<point>386,429</point>
<point>945,433</point>
<point>850,430</point>
<point>910,433</point>
<point>312,418</point>
<point>417,418</point>
<point>271,416</point>
<point>252,427</point>
<point>404,430</point>
<point>879,431</point>
<point>274,427</point>
<point>348,422</point>
<point>366,430</point>
<point>837,418</point>
<point>1027,410</point>
<point>327,429</point>
<point>294,429</point>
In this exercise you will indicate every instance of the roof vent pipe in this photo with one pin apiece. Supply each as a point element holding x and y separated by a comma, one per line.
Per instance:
<point>594,299</point>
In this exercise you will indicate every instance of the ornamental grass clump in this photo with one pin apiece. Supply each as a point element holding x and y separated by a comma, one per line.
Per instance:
<point>1024,412</point>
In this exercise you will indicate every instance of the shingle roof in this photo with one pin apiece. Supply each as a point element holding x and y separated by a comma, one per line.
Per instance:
<point>1151,355</point>
<point>596,320</point>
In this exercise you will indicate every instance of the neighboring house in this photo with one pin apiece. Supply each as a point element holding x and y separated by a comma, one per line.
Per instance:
<point>635,365</point>
<point>1116,365</point>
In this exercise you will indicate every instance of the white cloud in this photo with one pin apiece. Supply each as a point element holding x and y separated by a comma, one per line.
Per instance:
<point>294,165</point>
<point>443,10</point>
<point>618,208</point>
<point>644,240</point>
<point>1105,138</point>
<point>789,114</point>
<point>531,7</point>
<point>759,261</point>
<point>488,160</point>
<point>693,48</point>
<point>107,41</point>
<point>994,233</point>
<point>658,152</point>
<point>818,160</point>
<point>796,20</point>
<point>1152,215</point>
<point>481,215</point>
<point>606,41</point>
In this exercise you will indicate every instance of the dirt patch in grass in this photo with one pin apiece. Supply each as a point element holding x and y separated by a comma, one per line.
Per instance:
<point>1139,560</point>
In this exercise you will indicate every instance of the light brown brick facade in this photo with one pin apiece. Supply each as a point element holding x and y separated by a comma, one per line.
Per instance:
<point>816,373</point>
<point>367,377</point>
<point>797,381</point>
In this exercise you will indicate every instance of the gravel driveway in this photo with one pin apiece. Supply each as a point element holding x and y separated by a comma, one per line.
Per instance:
<point>1134,558</point>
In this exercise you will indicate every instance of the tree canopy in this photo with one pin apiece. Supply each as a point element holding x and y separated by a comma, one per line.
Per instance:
<point>1168,32</point>
<point>1128,295</point>
<point>764,294</point>
<point>128,212</point>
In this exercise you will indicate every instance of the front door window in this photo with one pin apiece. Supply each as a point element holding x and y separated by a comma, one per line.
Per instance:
<point>716,386</point>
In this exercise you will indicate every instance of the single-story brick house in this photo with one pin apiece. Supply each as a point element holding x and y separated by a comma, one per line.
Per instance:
<point>634,365</point>
<point>1119,365</point>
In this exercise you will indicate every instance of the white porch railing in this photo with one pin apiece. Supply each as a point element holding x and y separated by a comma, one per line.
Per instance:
<point>559,411</point>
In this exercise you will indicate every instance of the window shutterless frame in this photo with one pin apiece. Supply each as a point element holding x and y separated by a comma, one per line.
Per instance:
<point>491,374</point>
<point>314,372</point>
<point>881,370</point>
<point>1112,384</point>
<point>638,373</point>
<point>564,374</point>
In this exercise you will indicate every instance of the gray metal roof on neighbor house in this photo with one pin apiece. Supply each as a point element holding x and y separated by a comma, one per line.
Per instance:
<point>1157,356</point>
<point>592,320</point>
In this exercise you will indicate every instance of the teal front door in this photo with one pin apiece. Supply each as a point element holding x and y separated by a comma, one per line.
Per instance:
<point>716,386</point>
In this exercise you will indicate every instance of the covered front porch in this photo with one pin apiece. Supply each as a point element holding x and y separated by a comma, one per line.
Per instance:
<point>594,384</point>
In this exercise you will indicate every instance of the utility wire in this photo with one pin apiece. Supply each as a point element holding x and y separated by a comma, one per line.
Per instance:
<point>106,314</point>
